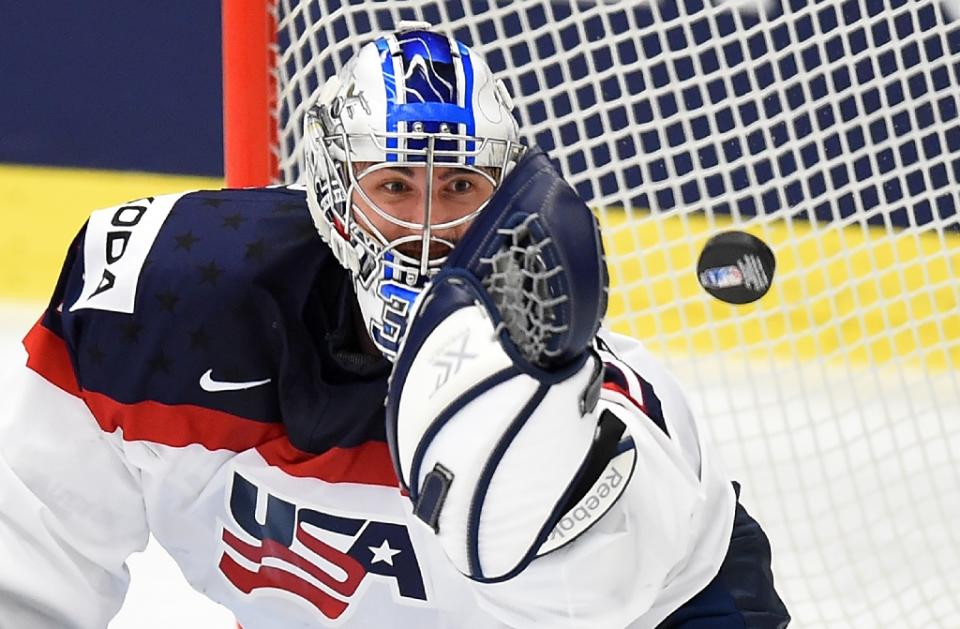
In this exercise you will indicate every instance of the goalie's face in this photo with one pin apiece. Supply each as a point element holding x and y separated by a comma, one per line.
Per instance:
<point>418,213</point>
<point>403,148</point>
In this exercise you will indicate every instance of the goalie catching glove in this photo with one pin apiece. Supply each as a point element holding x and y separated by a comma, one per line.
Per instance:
<point>492,414</point>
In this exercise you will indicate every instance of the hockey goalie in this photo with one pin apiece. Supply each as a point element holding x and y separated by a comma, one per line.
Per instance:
<point>381,398</point>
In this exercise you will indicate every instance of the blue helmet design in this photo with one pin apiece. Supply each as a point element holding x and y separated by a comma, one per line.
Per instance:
<point>413,99</point>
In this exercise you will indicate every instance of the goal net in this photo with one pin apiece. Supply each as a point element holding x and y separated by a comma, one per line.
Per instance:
<point>830,129</point>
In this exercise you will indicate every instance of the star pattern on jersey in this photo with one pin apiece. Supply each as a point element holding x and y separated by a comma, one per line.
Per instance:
<point>210,273</point>
<point>159,362</point>
<point>167,301</point>
<point>185,241</point>
<point>130,332</point>
<point>256,250</point>
<point>383,553</point>
<point>287,207</point>
<point>233,221</point>
<point>198,338</point>
<point>188,316</point>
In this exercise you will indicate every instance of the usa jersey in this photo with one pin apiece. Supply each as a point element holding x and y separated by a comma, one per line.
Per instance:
<point>197,376</point>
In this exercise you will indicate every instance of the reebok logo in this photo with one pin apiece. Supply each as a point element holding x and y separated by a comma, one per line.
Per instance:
<point>604,493</point>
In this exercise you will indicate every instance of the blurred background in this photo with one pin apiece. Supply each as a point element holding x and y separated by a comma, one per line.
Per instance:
<point>96,95</point>
<point>103,103</point>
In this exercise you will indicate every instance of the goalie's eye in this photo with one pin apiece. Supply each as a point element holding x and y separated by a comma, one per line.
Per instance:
<point>464,186</point>
<point>460,186</point>
<point>395,186</point>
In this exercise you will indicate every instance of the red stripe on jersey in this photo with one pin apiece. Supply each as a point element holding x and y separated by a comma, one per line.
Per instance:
<point>269,549</point>
<point>185,424</point>
<point>368,463</point>
<point>277,578</point>
<point>616,388</point>
<point>48,356</point>
<point>167,424</point>
<point>179,424</point>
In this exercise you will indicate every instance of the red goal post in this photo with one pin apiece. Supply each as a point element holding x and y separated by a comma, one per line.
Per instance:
<point>249,92</point>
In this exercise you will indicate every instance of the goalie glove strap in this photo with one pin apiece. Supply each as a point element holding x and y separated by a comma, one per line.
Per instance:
<point>606,446</point>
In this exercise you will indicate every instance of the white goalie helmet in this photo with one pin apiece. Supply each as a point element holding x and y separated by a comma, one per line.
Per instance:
<point>415,102</point>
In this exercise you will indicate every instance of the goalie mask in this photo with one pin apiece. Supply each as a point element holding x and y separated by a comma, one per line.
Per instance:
<point>403,149</point>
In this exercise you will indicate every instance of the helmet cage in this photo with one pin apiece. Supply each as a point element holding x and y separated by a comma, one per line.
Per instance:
<point>411,99</point>
<point>412,149</point>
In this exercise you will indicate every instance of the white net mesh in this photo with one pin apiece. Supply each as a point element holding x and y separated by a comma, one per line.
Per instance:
<point>829,129</point>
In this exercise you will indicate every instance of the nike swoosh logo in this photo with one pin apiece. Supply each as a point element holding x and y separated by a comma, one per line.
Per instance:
<point>207,383</point>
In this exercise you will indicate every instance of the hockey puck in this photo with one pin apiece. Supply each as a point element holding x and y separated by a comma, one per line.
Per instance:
<point>736,267</point>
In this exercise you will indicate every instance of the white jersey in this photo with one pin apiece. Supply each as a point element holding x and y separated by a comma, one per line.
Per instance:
<point>276,501</point>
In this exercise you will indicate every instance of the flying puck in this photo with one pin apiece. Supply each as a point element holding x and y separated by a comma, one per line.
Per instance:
<point>736,267</point>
